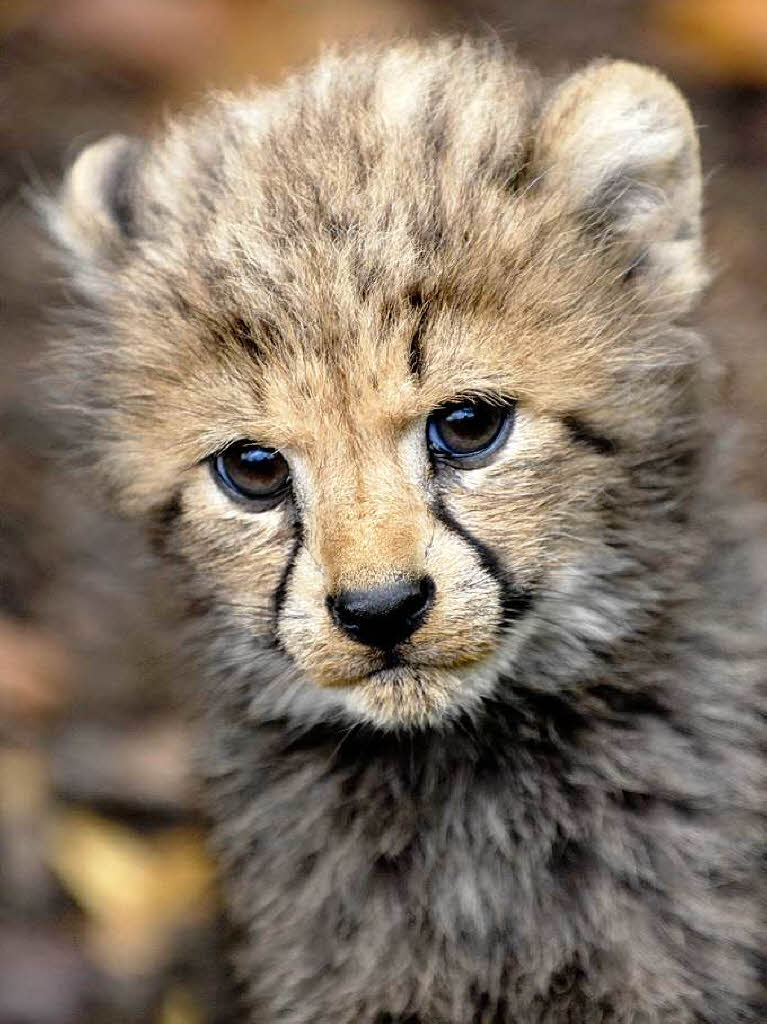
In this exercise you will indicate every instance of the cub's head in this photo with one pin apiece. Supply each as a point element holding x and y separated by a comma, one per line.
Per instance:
<point>387,361</point>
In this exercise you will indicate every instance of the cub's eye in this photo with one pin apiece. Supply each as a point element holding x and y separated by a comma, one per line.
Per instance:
<point>467,433</point>
<point>258,475</point>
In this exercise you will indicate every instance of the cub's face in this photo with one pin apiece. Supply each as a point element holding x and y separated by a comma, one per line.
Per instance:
<point>380,360</point>
<point>385,512</point>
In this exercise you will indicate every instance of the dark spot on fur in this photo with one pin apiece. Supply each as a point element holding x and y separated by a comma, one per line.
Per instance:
<point>687,808</point>
<point>638,266</point>
<point>613,200</point>
<point>515,600</point>
<point>243,332</point>
<point>604,206</point>
<point>366,276</point>
<point>435,140</point>
<point>415,355</point>
<point>121,188</point>
<point>637,803</point>
<point>487,1010</point>
<point>426,225</point>
<point>685,232</point>
<point>206,202</point>
<point>555,719</point>
<point>359,161</point>
<point>567,857</point>
<point>183,308</point>
<point>338,226</point>
<point>570,864</point>
<point>163,522</point>
<point>582,433</point>
<point>567,980</point>
<point>387,865</point>
<point>675,464</point>
<point>253,336</point>
<point>507,175</point>
<point>759,960</point>
<point>629,702</point>
<point>198,605</point>
<point>393,870</point>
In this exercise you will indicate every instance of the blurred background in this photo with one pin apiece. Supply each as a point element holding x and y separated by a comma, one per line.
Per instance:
<point>107,910</point>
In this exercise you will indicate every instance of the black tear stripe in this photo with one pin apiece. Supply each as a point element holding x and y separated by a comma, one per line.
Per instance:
<point>582,433</point>
<point>281,593</point>
<point>163,522</point>
<point>515,600</point>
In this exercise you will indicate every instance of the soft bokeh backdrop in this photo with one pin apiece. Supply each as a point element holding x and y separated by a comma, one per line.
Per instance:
<point>107,907</point>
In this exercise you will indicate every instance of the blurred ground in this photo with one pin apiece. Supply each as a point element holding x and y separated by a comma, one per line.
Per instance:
<point>106,907</point>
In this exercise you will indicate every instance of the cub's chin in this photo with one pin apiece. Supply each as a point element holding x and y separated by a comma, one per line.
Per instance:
<point>416,697</point>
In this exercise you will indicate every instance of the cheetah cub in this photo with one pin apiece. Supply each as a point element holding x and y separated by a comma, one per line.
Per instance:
<point>393,364</point>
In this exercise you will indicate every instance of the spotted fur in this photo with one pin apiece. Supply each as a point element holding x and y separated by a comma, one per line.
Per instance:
<point>549,807</point>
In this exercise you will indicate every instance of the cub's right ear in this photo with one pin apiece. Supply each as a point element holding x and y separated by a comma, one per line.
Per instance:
<point>617,147</point>
<point>94,215</point>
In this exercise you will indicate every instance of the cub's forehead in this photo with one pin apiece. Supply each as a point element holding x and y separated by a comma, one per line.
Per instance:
<point>363,167</point>
<point>377,371</point>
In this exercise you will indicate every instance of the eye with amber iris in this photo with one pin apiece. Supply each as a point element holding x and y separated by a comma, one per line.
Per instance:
<point>256,475</point>
<point>467,434</point>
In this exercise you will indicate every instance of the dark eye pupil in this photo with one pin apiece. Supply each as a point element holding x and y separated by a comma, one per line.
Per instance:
<point>252,471</point>
<point>471,424</point>
<point>467,428</point>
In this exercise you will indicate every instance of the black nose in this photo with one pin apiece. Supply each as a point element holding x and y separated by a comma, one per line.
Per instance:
<point>383,616</point>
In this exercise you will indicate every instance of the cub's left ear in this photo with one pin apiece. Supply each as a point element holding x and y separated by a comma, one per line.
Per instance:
<point>94,215</point>
<point>618,145</point>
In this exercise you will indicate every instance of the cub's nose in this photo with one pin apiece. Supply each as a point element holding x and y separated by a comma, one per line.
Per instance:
<point>383,616</point>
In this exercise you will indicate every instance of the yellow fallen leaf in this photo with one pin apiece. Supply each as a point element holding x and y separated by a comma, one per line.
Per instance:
<point>137,891</point>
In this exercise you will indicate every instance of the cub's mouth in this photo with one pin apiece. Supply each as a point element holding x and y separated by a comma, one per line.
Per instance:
<point>409,696</point>
<point>400,663</point>
<point>391,661</point>
<point>398,666</point>
<point>419,684</point>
